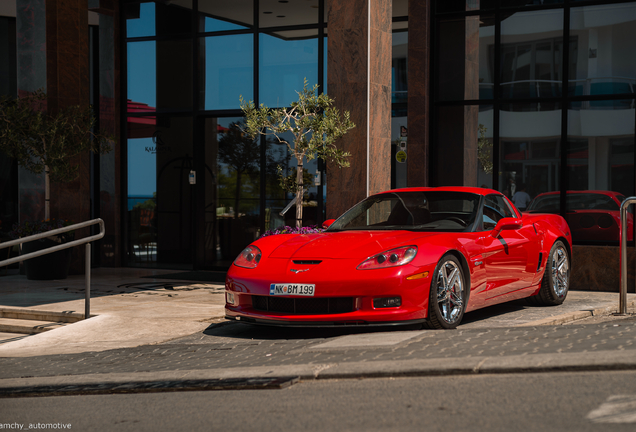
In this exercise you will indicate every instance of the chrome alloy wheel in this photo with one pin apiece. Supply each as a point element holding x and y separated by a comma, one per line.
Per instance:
<point>450,292</point>
<point>560,271</point>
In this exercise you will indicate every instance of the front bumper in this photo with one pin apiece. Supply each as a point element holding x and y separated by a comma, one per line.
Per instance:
<point>362,286</point>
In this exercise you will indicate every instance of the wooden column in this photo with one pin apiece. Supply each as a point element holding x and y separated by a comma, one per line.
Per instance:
<point>359,78</point>
<point>53,55</point>
<point>67,82</point>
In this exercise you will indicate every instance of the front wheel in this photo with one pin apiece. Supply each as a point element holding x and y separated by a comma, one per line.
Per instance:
<point>447,298</point>
<point>556,279</point>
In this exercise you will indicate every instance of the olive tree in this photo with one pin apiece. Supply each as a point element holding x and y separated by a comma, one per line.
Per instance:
<point>315,125</point>
<point>45,142</point>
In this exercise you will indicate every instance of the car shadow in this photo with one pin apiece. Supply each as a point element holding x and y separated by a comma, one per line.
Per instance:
<point>494,311</point>
<point>238,330</point>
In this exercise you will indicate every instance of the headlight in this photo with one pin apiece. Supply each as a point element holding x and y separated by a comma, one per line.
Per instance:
<point>249,257</point>
<point>391,258</point>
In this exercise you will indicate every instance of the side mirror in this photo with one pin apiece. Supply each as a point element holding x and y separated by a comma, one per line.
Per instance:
<point>506,224</point>
<point>326,224</point>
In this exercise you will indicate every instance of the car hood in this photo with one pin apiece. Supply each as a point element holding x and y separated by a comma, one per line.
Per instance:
<point>348,244</point>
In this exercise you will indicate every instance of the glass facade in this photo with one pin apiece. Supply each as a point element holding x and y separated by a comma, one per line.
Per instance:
<point>198,189</point>
<point>8,166</point>
<point>183,86</point>
<point>9,193</point>
<point>399,94</point>
<point>540,98</point>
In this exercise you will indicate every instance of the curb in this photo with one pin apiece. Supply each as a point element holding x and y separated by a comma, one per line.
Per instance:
<point>38,315</point>
<point>213,379</point>
<point>574,316</point>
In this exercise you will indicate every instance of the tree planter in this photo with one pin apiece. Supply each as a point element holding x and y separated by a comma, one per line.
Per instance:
<point>50,266</point>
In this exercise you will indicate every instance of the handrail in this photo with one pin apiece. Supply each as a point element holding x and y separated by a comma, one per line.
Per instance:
<point>87,240</point>
<point>622,301</point>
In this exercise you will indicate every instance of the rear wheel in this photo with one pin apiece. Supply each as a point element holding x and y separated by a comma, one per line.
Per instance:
<point>447,296</point>
<point>556,278</point>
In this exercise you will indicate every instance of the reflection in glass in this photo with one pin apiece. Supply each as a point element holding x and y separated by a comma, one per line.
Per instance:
<point>229,71</point>
<point>429,211</point>
<point>222,15</point>
<point>160,73</point>
<point>600,174</point>
<point>232,189</point>
<point>159,206</point>
<point>174,74</point>
<point>159,18</point>
<point>287,13</point>
<point>399,81</point>
<point>465,59</point>
<point>605,61</point>
<point>443,6</point>
<point>486,59</point>
<point>529,150</point>
<point>9,187</point>
<point>279,155</point>
<point>142,72</point>
<point>140,19</point>
<point>324,67</point>
<point>485,166</point>
<point>284,64</point>
<point>522,3</point>
<point>399,100</point>
<point>531,54</point>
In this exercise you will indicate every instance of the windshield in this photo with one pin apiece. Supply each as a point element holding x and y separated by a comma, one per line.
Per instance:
<point>415,211</point>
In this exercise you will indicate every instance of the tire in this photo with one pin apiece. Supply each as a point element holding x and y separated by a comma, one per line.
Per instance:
<point>447,296</point>
<point>556,277</point>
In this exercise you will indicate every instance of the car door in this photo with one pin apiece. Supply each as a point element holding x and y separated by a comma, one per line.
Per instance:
<point>510,259</point>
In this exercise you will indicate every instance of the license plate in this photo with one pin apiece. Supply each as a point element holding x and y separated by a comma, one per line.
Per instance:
<point>292,289</point>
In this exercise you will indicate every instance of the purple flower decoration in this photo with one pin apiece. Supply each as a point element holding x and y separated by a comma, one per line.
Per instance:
<point>313,229</point>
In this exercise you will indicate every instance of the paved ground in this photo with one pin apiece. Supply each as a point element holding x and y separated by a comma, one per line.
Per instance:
<point>154,330</point>
<point>131,309</point>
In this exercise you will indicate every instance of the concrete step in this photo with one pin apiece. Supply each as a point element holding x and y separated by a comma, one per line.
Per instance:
<point>21,326</point>
<point>38,315</point>
<point>10,337</point>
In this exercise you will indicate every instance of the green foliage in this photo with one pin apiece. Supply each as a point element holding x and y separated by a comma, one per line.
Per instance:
<point>288,183</point>
<point>37,139</point>
<point>484,150</point>
<point>150,204</point>
<point>239,151</point>
<point>313,121</point>
<point>315,125</point>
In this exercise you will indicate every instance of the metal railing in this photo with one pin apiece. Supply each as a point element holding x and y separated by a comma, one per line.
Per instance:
<point>622,301</point>
<point>87,240</point>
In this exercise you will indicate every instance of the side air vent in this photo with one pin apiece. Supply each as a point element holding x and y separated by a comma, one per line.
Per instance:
<point>307,262</point>
<point>540,261</point>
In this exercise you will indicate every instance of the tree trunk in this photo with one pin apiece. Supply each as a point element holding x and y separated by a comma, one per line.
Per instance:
<point>47,193</point>
<point>299,195</point>
<point>238,194</point>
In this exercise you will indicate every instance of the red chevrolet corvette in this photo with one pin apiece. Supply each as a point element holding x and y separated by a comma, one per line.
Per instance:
<point>416,255</point>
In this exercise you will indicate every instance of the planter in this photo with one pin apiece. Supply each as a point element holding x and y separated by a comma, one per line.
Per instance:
<point>50,266</point>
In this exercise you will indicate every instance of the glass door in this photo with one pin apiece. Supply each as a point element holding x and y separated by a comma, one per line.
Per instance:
<point>232,183</point>
<point>160,195</point>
